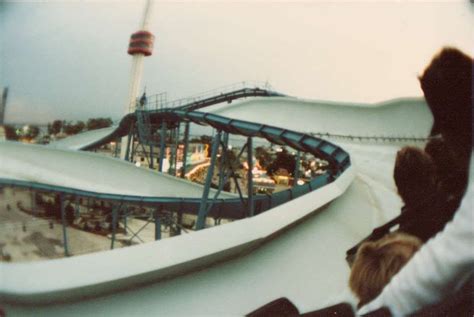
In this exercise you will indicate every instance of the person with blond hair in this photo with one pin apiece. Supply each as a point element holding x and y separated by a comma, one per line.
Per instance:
<point>376,262</point>
<point>445,264</point>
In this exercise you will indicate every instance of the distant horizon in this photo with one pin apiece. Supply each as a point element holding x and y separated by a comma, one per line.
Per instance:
<point>116,120</point>
<point>362,52</point>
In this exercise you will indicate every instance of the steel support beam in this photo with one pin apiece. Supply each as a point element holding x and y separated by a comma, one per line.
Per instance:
<point>176,146</point>
<point>156,216</point>
<point>185,150</point>
<point>116,152</point>
<point>134,148</point>
<point>77,211</point>
<point>162,145</point>
<point>125,223</point>
<point>201,220</point>
<point>151,156</point>
<point>171,145</point>
<point>129,140</point>
<point>64,223</point>
<point>179,221</point>
<point>250,177</point>
<point>114,225</point>
<point>223,175</point>
<point>224,160</point>
<point>296,173</point>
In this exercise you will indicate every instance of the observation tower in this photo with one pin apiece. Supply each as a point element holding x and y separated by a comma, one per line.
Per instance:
<point>140,46</point>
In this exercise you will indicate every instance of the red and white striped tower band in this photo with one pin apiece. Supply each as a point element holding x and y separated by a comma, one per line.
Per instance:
<point>141,42</point>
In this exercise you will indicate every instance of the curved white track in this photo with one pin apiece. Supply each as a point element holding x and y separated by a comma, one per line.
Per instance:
<point>305,264</point>
<point>81,140</point>
<point>90,172</point>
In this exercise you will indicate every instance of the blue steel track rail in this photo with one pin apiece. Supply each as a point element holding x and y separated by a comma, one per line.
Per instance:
<point>155,116</point>
<point>231,208</point>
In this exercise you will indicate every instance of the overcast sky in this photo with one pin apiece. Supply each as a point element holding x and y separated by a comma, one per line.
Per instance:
<point>68,60</point>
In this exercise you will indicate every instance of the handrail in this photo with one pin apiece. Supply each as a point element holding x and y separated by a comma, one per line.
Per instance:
<point>156,102</point>
<point>126,121</point>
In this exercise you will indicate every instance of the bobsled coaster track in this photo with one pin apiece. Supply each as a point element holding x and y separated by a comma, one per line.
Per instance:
<point>261,217</point>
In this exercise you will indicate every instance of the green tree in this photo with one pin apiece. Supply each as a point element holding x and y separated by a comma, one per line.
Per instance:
<point>55,127</point>
<point>10,133</point>
<point>205,139</point>
<point>283,160</point>
<point>98,123</point>
<point>74,128</point>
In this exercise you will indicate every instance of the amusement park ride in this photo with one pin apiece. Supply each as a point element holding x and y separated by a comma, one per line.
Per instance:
<point>287,244</point>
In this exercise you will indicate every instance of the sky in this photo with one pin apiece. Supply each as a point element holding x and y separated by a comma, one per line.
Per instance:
<point>67,59</point>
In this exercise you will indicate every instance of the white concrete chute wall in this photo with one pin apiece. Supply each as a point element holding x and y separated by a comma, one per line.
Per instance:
<point>90,172</point>
<point>306,264</point>
<point>104,272</point>
<point>388,118</point>
<point>83,140</point>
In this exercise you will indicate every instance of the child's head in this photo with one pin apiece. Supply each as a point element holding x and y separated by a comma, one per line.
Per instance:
<point>378,261</point>
<point>414,175</point>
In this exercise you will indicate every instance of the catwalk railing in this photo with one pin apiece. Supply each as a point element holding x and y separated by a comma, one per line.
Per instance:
<point>159,101</point>
<point>152,109</point>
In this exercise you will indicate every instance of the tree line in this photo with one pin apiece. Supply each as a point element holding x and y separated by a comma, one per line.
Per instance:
<point>56,127</point>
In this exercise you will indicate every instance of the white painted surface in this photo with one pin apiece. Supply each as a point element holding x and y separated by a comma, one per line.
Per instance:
<point>388,118</point>
<point>169,256</point>
<point>404,117</point>
<point>82,140</point>
<point>89,171</point>
<point>305,264</point>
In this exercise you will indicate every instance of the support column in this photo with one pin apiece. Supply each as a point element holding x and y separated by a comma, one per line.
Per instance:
<point>129,140</point>
<point>125,223</point>
<point>114,225</point>
<point>176,145</point>
<point>157,223</point>
<point>116,153</point>
<point>201,220</point>
<point>296,173</point>
<point>224,160</point>
<point>185,150</point>
<point>134,148</point>
<point>77,212</point>
<point>162,144</point>
<point>151,156</point>
<point>179,221</point>
<point>172,150</point>
<point>64,223</point>
<point>250,177</point>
